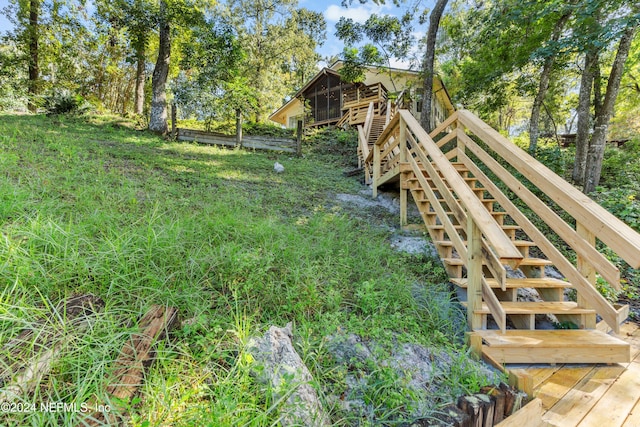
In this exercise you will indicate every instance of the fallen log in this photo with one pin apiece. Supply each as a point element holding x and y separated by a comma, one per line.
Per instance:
<point>137,354</point>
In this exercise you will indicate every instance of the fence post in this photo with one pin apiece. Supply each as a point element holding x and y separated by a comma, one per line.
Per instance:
<point>238,128</point>
<point>174,120</point>
<point>299,139</point>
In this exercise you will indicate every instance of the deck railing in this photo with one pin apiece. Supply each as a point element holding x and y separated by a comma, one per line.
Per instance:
<point>406,150</point>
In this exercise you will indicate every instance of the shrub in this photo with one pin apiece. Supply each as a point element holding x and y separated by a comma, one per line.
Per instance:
<point>64,102</point>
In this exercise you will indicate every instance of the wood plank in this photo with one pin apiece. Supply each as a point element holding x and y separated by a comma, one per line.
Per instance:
<point>542,283</point>
<point>495,307</point>
<point>551,338</point>
<point>128,371</point>
<point>613,408</point>
<point>529,415</point>
<point>560,383</point>
<point>633,419</point>
<point>543,307</point>
<point>612,231</point>
<point>444,125</point>
<point>540,374</point>
<point>571,409</point>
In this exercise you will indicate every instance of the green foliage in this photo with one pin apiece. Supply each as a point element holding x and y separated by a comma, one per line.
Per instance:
<point>251,128</point>
<point>622,203</point>
<point>64,102</point>
<point>388,38</point>
<point>621,166</point>
<point>279,40</point>
<point>12,89</point>
<point>565,325</point>
<point>333,145</point>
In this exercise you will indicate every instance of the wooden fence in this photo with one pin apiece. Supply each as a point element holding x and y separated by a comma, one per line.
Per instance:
<point>289,145</point>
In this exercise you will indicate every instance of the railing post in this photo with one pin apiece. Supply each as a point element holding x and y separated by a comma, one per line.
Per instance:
<point>474,275</point>
<point>404,192</point>
<point>588,271</point>
<point>376,168</point>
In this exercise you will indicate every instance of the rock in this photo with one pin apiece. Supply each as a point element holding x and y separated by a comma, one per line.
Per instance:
<point>414,245</point>
<point>514,274</point>
<point>278,167</point>
<point>282,368</point>
<point>347,349</point>
<point>553,273</point>
<point>419,372</point>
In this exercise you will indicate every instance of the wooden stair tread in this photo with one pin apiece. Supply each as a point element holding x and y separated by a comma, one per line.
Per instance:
<point>459,227</point>
<point>541,283</point>
<point>516,243</point>
<point>523,338</point>
<point>553,346</point>
<point>526,262</point>
<point>544,307</point>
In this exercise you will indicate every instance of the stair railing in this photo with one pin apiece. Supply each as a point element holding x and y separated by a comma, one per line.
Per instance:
<point>471,141</point>
<point>405,146</point>
<point>364,154</point>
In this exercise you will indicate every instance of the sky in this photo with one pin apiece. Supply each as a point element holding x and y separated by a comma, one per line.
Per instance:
<point>331,9</point>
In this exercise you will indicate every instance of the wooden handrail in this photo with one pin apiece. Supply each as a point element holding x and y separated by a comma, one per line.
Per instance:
<point>444,125</point>
<point>621,238</point>
<point>608,271</point>
<point>496,238</point>
<point>608,313</point>
<point>368,121</point>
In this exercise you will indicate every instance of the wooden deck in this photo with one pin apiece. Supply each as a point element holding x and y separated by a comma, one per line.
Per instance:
<point>587,394</point>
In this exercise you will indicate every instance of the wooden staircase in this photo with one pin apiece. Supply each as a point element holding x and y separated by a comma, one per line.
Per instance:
<point>464,178</point>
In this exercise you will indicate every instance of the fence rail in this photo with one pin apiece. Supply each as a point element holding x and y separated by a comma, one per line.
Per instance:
<point>251,141</point>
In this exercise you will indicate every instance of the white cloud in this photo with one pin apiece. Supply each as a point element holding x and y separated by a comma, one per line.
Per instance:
<point>359,14</point>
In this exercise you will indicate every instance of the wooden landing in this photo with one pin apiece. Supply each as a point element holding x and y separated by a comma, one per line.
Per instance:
<point>589,395</point>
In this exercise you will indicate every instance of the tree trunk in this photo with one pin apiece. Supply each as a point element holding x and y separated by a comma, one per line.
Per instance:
<point>597,90</point>
<point>139,90</point>
<point>427,65</point>
<point>34,70</point>
<point>584,116</point>
<point>543,86</point>
<point>598,140</point>
<point>158,117</point>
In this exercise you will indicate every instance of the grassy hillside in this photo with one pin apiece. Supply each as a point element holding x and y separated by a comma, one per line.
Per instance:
<point>92,206</point>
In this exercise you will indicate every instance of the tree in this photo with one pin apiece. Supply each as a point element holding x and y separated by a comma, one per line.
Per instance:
<point>543,85</point>
<point>427,65</point>
<point>598,140</point>
<point>279,40</point>
<point>584,115</point>
<point>158,112</point>
<point>211,85</point>
<point>33,35</point>
<point>389,38</point>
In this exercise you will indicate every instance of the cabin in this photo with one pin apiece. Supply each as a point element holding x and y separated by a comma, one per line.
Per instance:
<point>327,100</point>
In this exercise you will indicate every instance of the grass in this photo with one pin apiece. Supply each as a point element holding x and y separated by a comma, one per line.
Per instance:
<point>94,206</point>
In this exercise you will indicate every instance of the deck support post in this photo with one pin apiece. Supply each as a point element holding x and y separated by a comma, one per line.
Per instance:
<point>474,275</point>
<point>404,192</point>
